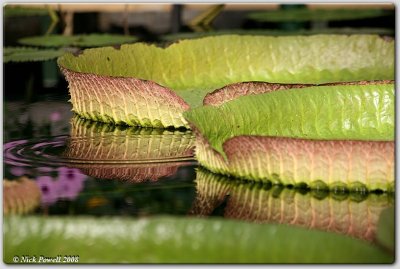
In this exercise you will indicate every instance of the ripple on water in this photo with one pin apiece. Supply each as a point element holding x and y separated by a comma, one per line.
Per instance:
<point>51,152</point>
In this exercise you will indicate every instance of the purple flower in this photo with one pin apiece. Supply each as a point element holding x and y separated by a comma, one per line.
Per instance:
<point>47,186</point>
<point>18,171</point>
<point>70,183</point>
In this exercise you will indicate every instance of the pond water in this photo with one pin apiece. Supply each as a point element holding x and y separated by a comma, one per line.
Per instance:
<point>82,167</point>
<point>86,168</point>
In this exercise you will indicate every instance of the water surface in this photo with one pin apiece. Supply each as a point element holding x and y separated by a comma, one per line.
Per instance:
<point>82,167</point>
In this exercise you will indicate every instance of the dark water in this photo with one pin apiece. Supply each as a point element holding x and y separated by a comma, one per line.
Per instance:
<point>82,167</point>
<point>41,143</point>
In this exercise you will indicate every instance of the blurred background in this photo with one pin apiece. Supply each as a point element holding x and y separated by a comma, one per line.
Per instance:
<point>164,23</point>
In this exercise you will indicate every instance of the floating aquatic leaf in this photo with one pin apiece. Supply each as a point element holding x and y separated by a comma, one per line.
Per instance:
<point>180,240</point>
<point>386,229</point>
<point>26,54</point>
<point>301,15</point>
<point>145,85</point>
<point>17,11</point>
<point>90,40</point>
<point>336,31</point>
<point>98,40</point>
<point>342,135</point>
<point>10,50</point>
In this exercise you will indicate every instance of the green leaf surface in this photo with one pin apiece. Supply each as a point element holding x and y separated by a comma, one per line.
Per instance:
<point>90,40</point>
<point>18,11</point>
<point>302,15</point>
<point>336,31</point>
<point>386,229</point>
<point>179,240</point>
<point>210,63</point>
<point>26,54</point>
<point>10,50</point>
<point>348,112</point>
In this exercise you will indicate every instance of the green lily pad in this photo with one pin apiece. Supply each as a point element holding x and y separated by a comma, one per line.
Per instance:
<point>301,15</point>
<point>302,136</point>
<point>164,82</point>
<point>17,11</point>
<point>179,240</point>
<point>330,31</point>
<point>90,40</point>
<point>302,113</point>
<point>386,229</point>
<point>26,54</point>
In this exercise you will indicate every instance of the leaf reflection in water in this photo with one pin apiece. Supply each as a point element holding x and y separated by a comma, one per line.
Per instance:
<point>353,214</point>
<point>20,196</point>
<point>127,153</point>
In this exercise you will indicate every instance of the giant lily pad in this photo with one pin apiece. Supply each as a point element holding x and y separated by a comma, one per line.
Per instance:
<point>339,135</point>
<point>301,15</point>
<point>19,11</point>
<point>142,84</point>
<point>178,240</point>
<point>127,153</point>
<point>355,214</point>
<point>89,40</point>
<point>386,234</point>
<point>331,31</point>
<point>27,54</point>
